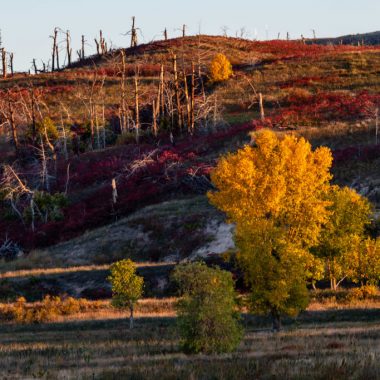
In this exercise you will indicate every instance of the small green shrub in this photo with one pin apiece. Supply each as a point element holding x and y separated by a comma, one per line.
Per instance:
<point>208,317</point>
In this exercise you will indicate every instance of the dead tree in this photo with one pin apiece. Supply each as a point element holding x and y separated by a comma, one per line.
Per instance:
<point>183,30</point>
<point>192,105</point>
<point>123,107</point>
<point>187,99</point>
<point>11,56</point>
<point>134,40</point>
<point>137,110</point>
<point>34,66</point>
<point>177,94</point>
<point>12,124</point>
<point>55,48</point>
<point>165,34</point>
<point>68,47</point>
<point>154,117</point>
<point>262,112</point>
<point>101,45</point>
<point>162,91</point>
<point>82,50</point>
<point>4,62</point>
<point>57,56</point>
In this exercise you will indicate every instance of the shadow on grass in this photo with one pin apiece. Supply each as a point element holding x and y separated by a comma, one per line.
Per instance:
<point>90,325</point>
<point>317,317</point>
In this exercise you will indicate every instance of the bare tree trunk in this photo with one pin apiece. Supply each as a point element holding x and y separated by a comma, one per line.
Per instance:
<point>34,129</point>
<point>162,89</point>
<point>262,112</point>
<point>276,320</point>
<point>82,51</point>
<point>176,86</point>
<point>133,33</point>
<point>97,46</point>
<point>123,113</point>
<point>57,56</point>
<point>97,127</point>
<point>68,47</point>
<point>188,106</point>
<point>54,49</point>
<point>35,66</point>
<point>65,152</point>
<point>184,31</point>
<point>131,319</point>
<point>4,62</point>
<point>165,34</point>
<point>12,124</point>
<point>137,110</point>
<point>154,125</point>
<point>192,118</point>
<point>11,56</point>
<point>92,124</point>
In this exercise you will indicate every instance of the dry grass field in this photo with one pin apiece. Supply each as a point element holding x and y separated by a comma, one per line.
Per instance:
<point>326,342</point>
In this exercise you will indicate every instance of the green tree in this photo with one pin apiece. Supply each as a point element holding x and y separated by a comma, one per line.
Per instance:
<point>46,128</point>
<point>127,286</point>
<point>275,193</point>
<point>341,236</point>
<point>364,263</point>
<point>208,317</point>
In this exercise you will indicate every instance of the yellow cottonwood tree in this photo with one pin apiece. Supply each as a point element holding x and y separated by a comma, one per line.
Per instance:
<point>275,193</point>
<point>220,69</point>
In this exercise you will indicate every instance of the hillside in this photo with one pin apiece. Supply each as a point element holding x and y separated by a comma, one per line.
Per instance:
<point>352,39</point>
<point>328,94</point>
<point>116,261</point>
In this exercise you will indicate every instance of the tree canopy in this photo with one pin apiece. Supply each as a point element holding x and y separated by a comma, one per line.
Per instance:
<point>276,194</point>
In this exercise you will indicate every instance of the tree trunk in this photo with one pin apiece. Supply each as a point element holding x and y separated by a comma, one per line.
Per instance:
<point>131,320</point>
<point>154,118</point>
<point>12,124</point>
<point>82,52</point>
<point>57,56</point>
<point>137,110</point>
<point>188,106</point>
<point>11,56</point>
<point>276,321</point>
<point>192,106</point>
<point>123,110</point>
<point>162,89</point>
<point>133,33</point>
<point>54,49</point>
<point>176,86</point>
<point>68,48</point>
<point>262,112</point>
<point>4,62</point>
<point>35,66</point>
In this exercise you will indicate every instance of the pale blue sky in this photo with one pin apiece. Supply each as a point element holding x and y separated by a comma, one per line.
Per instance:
<point>27,24</point>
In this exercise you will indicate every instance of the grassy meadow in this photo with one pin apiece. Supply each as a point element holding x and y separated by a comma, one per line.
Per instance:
<point>327,341</point>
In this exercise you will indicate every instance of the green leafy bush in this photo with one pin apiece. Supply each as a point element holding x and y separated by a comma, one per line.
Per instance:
<point>208,317</point>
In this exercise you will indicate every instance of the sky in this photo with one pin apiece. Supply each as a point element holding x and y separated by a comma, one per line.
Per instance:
<point>27,24</point>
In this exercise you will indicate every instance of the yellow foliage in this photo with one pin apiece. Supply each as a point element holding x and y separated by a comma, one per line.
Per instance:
<point>276,194</point>
<point>280,183</point>
<point>220,68</point>
<point>49,309</point>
